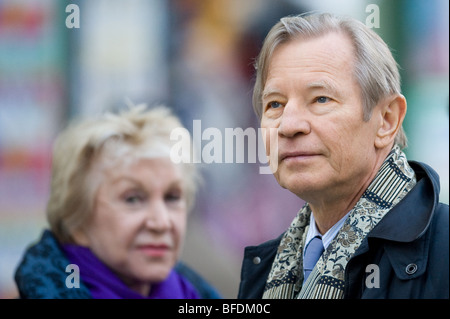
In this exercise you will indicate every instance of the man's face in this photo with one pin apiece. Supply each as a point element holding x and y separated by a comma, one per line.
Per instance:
<point>312,99</point>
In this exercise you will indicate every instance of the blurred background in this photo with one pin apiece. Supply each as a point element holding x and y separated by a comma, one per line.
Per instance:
<point>195,56</point>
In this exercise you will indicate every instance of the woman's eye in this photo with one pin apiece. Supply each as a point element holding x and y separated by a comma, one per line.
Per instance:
<point>274,105</point>
<point>322,99</point>
<point>173,197</point>
<point>133,199</point>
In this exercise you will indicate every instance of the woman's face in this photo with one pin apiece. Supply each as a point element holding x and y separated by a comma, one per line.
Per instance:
<point>138,222</point>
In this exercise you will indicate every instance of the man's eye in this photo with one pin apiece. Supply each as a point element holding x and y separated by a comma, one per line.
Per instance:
<point>274,105</point>
<point>322,99</point>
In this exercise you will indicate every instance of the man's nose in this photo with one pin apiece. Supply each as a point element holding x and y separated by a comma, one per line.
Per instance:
<point>294,120</point>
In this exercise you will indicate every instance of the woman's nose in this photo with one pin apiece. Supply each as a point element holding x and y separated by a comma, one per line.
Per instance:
<point>158,218</point>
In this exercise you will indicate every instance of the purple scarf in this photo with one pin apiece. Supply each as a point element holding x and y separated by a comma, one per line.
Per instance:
<point>104,284</point>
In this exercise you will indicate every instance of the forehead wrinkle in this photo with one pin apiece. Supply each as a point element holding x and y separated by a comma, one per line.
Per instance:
<point>318,75</point>
<point>320,84</point>
<point>270,92</point>
<point>341,57</point>
<point>319,70</point>
<point>323,85</point>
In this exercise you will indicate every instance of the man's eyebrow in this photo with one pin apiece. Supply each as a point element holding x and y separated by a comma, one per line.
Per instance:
<point>316,85</point>
<point>269,92</point>
<point>324,85</point>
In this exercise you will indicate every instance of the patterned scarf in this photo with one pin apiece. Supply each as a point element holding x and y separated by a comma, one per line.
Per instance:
<point>393,181</point>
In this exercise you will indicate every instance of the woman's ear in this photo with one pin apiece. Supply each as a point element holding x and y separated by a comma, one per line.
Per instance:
<point>393,111</point>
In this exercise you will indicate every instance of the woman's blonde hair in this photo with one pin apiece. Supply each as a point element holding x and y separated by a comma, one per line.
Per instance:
<point>125,136</point>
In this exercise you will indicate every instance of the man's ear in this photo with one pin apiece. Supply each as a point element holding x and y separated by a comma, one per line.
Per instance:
<point>393,111</point>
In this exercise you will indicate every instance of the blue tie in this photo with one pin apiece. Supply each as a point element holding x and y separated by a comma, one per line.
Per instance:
<point>312,254</point>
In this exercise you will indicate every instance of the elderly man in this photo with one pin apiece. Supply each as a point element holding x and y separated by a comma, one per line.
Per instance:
<point>372,225</point>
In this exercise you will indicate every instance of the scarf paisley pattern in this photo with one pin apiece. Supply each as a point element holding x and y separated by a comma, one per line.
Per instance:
<point>393,181</point>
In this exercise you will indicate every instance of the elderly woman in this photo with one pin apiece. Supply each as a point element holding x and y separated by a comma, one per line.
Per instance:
<point>117,213</point>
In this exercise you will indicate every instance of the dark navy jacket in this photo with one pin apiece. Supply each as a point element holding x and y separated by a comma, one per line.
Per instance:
<point>410,246</point>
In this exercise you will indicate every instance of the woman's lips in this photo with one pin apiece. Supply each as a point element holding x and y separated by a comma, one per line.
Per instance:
<point>154,250</point>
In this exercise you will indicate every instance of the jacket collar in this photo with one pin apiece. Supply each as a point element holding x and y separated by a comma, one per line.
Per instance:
<point>405,222</point>
<point>41,273</point>
<point>410,218</point>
